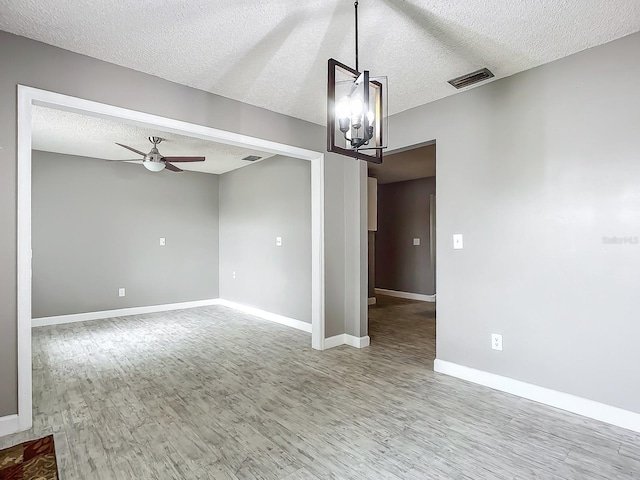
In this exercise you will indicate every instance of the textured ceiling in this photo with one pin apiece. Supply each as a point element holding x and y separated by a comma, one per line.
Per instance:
<point>273,53</point>
<point>74,134</point>
<point>408,165</point>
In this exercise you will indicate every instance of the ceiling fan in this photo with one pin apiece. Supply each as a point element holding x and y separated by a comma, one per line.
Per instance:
<point>155,162</point>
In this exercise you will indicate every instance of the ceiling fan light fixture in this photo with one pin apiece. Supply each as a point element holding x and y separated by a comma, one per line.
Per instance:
<point>153,166</point>
<point>155,162</point>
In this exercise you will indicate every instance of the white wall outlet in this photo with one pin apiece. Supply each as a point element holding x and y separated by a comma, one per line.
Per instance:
<point>416,241</point>
<point>234,275</point>
<point>496,341</point>
<point>163,241</point>
<point>121,292</point>
<point>457,241</point>
<point>278,241</point>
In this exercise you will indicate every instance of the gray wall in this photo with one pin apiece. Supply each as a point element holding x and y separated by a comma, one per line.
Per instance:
<point>96,227</point>
<point>403,214</point>
<point>356,273</point>
<point>28,62</point>
<point>258,203</point>
<point>535,170</point>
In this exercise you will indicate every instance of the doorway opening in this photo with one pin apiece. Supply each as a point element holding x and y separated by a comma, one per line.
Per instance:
<point>30,98</point>
<point>402,253</point>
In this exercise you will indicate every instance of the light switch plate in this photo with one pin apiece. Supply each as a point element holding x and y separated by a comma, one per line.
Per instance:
<point>163,241</point>
<point>457,241</point>
<point>278,241</point>
<point>121,292</point>
<point>416,241</point>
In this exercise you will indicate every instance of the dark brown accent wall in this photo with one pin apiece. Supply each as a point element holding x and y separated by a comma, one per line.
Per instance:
<point>403,214</point>
<point>371,283</point>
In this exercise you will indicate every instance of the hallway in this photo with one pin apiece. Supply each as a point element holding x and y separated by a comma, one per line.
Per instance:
<point>404,329</point>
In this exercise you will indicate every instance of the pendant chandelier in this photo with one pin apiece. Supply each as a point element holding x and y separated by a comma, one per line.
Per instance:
<point>356,106</point>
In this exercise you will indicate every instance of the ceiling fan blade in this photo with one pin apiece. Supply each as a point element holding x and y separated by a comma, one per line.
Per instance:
<point>184,159</point>
<point>132,149</point>
<point>173,168</point>
<point>124,160</point>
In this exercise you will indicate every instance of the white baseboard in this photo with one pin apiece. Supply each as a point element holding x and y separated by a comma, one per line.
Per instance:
<point>121,312</point>
<point>372,300</point>
<point>407,295</point>
<point>334,341</point>
<point>9,424</point>
<point>344,339</point>
<point>272,317</point>
<point>358,342</point>
<point>564,401</point>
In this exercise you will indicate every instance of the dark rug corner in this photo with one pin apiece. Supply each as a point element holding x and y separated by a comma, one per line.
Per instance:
<point>32,460</point>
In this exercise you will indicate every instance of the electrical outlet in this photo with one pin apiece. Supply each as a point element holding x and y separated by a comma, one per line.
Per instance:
<point>163,241</point>
<point>496,341</point>
<point>121,292</point>
<point>278,241</point>
<point>234,275</point>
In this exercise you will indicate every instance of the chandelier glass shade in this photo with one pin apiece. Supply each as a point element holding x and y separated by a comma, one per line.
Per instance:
<point>356,103</point>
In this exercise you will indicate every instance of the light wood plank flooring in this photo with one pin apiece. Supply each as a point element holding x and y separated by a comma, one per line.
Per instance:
<point>404,330</point>
<point>211,393</point>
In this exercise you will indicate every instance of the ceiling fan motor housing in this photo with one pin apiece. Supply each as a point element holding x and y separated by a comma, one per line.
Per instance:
<point>153,156</point>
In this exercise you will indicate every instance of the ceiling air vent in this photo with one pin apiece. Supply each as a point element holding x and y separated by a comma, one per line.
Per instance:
<point>252,158</point>
<point>471,78</point>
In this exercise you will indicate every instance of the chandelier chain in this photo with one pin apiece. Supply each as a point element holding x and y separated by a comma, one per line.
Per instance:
<point>355,5</point>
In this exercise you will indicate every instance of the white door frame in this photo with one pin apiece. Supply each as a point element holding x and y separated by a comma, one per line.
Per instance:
<point>28,97</point>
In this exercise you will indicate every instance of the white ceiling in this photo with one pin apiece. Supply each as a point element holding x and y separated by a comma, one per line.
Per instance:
<point>273,53</point>
<point>73,134</point>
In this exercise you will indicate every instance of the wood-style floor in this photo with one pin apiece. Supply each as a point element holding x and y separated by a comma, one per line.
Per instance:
<point>404,330</point>
<point>211,393</point>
